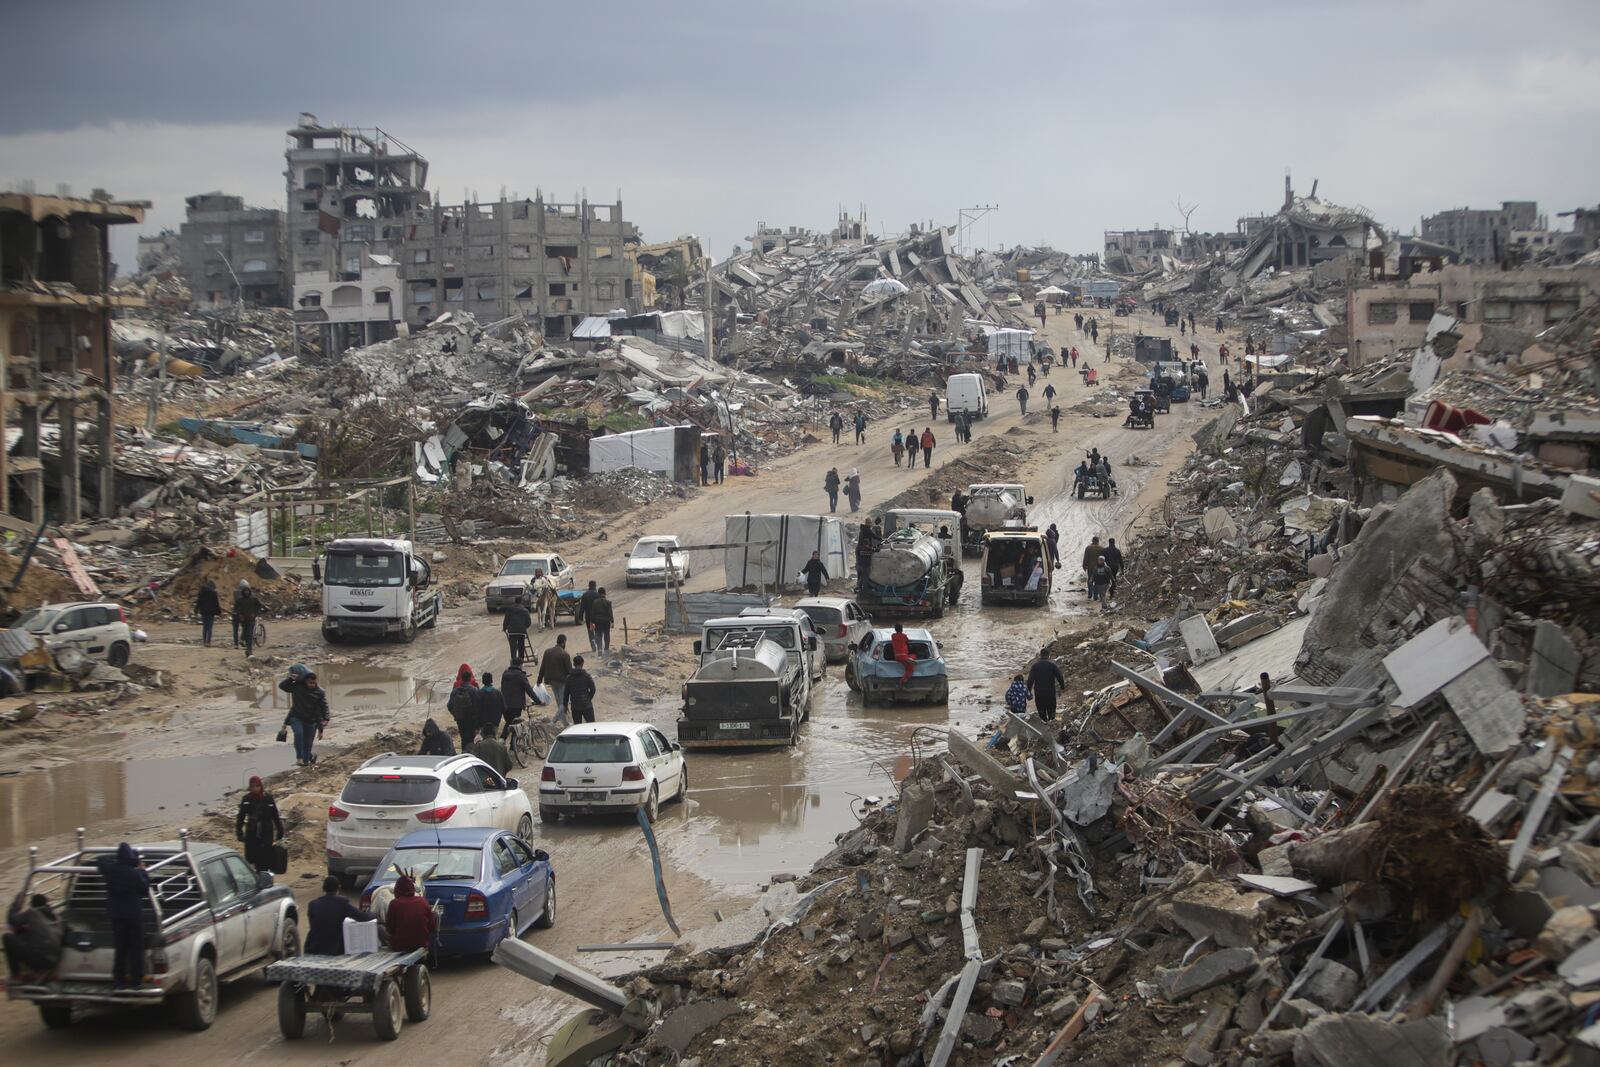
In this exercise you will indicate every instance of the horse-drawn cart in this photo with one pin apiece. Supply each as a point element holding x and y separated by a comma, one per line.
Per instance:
<point>391,986</point>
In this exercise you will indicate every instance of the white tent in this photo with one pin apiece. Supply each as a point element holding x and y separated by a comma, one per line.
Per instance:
<point>795,537</point>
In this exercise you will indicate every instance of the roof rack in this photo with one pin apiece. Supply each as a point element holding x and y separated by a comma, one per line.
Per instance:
<point>175,889</point>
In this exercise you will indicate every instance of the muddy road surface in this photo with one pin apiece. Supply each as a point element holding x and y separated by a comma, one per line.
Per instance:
<point>749,815</point>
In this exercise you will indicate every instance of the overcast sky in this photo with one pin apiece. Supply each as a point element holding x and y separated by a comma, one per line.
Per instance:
<point>707,117</point>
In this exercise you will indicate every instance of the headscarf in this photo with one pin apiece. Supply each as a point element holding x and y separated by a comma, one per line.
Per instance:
<point>257,787</point>
<point>405,887</point>
<point>464,676</point>
<point>127,856</point>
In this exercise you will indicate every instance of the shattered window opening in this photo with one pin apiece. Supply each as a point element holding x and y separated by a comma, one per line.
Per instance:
<point>1421,310</point>
<point>255,237</point>
<point>422,255</point>
<point>1383,314</point>
<point>454,290</point>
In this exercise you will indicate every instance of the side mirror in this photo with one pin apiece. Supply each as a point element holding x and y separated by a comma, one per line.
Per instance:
<point>697,648</point>
<point>541,855</point>
<point>59,628</point>
<point>676,747</point>
<point>511,783</point>
<point>811,644</point>
<point>263,879</point>
<point>1030,500</point>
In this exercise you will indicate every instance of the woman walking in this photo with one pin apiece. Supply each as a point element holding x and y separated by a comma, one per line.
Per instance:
<point>852,489</point>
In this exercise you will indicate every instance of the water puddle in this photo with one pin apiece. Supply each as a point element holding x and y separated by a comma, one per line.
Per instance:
<point>95,792</point>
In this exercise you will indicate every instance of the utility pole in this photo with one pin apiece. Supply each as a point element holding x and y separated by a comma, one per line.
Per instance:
<point>966,217</point>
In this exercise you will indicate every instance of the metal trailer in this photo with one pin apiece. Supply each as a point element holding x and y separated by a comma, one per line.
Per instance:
<point>392,987</point>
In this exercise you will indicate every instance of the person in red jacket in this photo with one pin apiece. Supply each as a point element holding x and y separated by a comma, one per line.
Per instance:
<point>900,647</point>
<point>411,921</point>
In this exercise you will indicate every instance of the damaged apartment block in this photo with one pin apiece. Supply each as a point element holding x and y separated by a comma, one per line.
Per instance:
<point>55,340</point>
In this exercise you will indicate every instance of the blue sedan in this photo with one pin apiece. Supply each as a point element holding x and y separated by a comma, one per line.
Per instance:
<point>490,884</point>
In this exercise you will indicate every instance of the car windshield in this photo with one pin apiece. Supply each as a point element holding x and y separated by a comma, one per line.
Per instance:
<point>783,636</point>
<point>395,790</point>
<point>433,864</point>
<point>364,568</point>
<point>37,620</point>
<point>649,549</point>
<point>823,616</point>
<point>593,748</point>
<point>517,567</point>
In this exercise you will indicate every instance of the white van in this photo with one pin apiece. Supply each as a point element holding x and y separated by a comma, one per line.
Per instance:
<point>965,392</point>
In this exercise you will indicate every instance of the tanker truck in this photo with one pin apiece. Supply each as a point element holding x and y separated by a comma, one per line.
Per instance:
<point>914,571</point>
<point>992,507</point>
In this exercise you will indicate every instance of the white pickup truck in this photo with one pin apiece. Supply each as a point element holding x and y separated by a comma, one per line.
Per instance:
<point>210,918</point>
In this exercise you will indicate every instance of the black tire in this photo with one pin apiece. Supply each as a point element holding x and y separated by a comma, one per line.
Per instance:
<point>1080,490</point>
<point>408,632</point>
<point>288,946</point>
<point>525,827</point>
<point>119,654</point>
<point>196,1008</point>
<point>938,606</point>
<point>438,606</point>
<point>547,916</point>
<point>548,815</point>
<point>419,993</point>
<point>652,804</point>
<point>331,636</point>
<point>261,634</point>
<point>56,1016</point>
<point>519,747</point>
<point>388,1010</point>
<point>291,1011</point>
<point>683,786</point>
<point>850,677</point>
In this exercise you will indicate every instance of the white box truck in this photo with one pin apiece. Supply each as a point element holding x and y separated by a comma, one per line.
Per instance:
<point>376,587</point>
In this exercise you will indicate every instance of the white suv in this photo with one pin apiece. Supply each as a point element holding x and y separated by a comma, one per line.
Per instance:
<point>99,631</point>
<point>389,796</point>
<point>840,623</point>
<point>611,766</point>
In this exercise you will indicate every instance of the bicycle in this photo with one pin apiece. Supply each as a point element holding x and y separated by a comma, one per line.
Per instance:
<point>261,634</point>
<point>524,742</point>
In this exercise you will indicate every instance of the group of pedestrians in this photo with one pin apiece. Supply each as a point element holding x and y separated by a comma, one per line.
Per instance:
<point>910,442</point>
<point>713,461</point>
<point>247,611</point>
<point>858,422</point>
<point>1102,565</point>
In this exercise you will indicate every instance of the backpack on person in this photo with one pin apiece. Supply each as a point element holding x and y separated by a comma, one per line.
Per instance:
<point>463,701</point>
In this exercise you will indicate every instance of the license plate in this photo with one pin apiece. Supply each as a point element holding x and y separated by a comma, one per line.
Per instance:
<point>587,794</point>
<point>736,726</point>
<point>383,824</point>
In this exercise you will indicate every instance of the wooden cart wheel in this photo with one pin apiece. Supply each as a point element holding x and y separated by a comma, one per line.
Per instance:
<point>388,1010</point>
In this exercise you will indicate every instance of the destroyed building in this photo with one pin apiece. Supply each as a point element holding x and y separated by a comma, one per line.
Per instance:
<point>1482,235</point>
<point>551,263</point>
<point>231,253</point>
<point>1136,251</point>
<point>1304,233</point>
<point>56,306</point>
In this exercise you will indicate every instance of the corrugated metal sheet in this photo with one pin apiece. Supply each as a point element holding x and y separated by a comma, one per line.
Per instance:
<point>698,607</point>
<point>14,644</point>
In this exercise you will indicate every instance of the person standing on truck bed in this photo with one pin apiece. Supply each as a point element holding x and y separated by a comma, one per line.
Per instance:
<point>579,694</point>
<point>34,942</point>
<point>815,572</point>
<point>258,824</point>
<point>554,668</point>
<point>308,712</point>
<point>127,889</point>
<point>1044,677</point>
<point>516,624</point>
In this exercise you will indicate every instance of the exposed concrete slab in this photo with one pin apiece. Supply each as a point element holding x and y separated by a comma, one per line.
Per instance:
<point>1209,971</point>
<point>682,1025</point>
<point>991,770</point>
<point>1273,654</point>
<point>744,929</point>
<point>1553,666</point>
<point>916,811</point>
<point>1363,1040</point>
<point>1489,709</point>
<point>1436,656</point>
<point>1197,638</point>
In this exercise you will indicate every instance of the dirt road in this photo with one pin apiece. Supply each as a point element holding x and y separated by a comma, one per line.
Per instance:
<point>749,815</point>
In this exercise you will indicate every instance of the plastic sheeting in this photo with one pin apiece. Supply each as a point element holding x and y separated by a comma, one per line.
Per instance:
<point>795,537</point>
<point>669,450</point>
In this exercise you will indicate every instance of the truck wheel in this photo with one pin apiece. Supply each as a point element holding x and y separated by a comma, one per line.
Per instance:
<point>1080,490</point>
<point>419,993</point>
<point>56,1016</point>
<point>388,1010</point>
<point>291,1011</point>
<point>938,605</point>
<point>408,631</point>
<point>330,636</point>
<point>433,619</point>
<point>197,1007</point>
<point>866,694</point>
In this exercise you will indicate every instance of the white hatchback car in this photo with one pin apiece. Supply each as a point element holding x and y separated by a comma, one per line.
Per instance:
<point>648,563</point>
<point>840,623</point>
<point>611,766</point>
<point>98,631</point>
<point>388,796</point>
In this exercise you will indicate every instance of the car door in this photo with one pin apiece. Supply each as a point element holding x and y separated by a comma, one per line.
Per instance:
<point>509,877</point>
<point>72,630</point>
<point>261,921</point>
<point>230,911</point>
<point>469,800</point>
<point>534,875</point>
<point>492,799</point>
<point>561,571</point>
<point>651,763</point>
<point>671,764</point>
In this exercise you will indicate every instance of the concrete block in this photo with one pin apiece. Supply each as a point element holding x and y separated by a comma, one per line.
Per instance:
<point>1219,525</point>
<point>1553,666</point>
<point>1488,708</point>
<point>1442,652</point>
<point>1207,972</point>
<point>1582,496</point>
<point>683,1025</point>
<point>1198,639</point>
<point>1009,993</point>
<point>1567,929</point>
<point>1331,985</point>
<point>1215,910</point>
<point>916,811</point>
<point>1363,1040</point>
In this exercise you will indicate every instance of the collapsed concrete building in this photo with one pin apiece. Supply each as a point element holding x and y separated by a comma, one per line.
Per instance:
<point>1482,235</point>
<point>1136,251</point>
<point>56,306</point>
<point>231,253</point>
<point>1304,233</point>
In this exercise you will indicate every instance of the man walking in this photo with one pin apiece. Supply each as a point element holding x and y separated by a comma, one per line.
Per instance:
<point>308,712</point>
<point>927,447</point>
<point>1049,394</point>
<point>933,405</point>
<point>584,602</point>
<point>836,424</point>
<point>258,824</point>
<point>238,595</point>
<point>579,694</point>
<point>491,707</point>
<point>815,573</point>
<point>705,462</point>
<point>861,427</point>
<point>1044,678</point>
<point>515,624</point>
<point>554,669</point>
<point>601,613</point>
<point>207,605</point>
<point>1091,555</point>
<point>1022,398</point>
<point>831,482</point>
<point>247,608</point>
<point>719,460</point>
<point>1055,419</point>
<point>1113,561</point>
